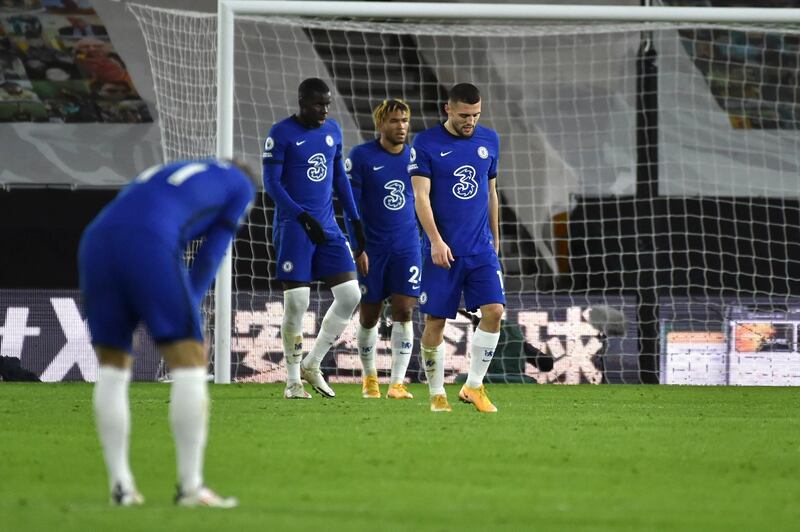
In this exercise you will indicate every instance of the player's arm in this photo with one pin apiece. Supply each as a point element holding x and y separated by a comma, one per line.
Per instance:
<point>345,194</point>
<point>494,208</point>
<point>272,162</point>
<point>440,251</point>
<point>356,183</point>
<point>217,238</point>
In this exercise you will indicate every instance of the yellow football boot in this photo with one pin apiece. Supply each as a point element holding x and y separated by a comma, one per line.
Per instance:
<point>398,391</point>
<point>478,397</point>
<point>439,403</point>
<point>370,388</point>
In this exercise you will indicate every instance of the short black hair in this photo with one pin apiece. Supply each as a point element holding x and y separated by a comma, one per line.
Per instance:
<point>464,93</point>
<point>312,86</point>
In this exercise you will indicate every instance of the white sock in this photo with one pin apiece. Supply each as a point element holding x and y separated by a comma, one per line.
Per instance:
<point>433,361</point>
<point>188,413</point>
<point>402,344</point>
<point>483,346</point>
<point>293,353</point>
<point>295,304</point>
<point>366,340</point>
<point>113,417</point>
<point>345,298</point>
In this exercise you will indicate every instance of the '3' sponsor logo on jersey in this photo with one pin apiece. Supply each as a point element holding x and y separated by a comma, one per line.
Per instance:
<point>466,187</point>
<point>395,200</point>
<point>318,170</point>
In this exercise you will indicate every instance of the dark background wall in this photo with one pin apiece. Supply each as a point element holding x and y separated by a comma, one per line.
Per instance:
<point>41,229</point>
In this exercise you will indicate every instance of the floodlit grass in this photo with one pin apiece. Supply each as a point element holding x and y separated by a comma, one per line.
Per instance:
<point>554,458</point>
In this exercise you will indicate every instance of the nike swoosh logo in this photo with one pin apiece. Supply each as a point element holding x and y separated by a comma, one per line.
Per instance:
<point>445,153</point>
<point>376,168</point>
<point>300,143</point>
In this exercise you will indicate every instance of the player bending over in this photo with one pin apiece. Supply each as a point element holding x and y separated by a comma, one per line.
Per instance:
<point>132,270</point>
<point>454,178</point>
<point>303,165</point>
<point>390,264</point>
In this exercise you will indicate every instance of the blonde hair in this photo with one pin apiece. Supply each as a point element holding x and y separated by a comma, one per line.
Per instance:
<point>389,106</point>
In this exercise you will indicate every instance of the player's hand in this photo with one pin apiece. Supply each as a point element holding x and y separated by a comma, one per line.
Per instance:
<point>312,227</point>
<point>361,239</point>
<point>441,254</point>
<point>362,263</point>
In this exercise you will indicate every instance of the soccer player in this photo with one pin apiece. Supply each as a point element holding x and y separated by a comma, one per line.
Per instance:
<point>131,270</point>
<point>390,264</point>
<point>303,166</point>
<point>454,178</point>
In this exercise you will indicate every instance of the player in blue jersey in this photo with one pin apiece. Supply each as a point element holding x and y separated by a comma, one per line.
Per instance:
<point>390,264</point>
<point>303,166</point>
<point>454,178</point>
<point>132,270</point>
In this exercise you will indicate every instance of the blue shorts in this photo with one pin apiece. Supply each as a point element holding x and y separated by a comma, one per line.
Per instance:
<point>479,277</point>
<point>300,260</point>
<point>132,278</point>
<point>391,273</point>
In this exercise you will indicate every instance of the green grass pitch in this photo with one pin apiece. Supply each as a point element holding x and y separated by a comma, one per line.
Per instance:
<point>612,458</point>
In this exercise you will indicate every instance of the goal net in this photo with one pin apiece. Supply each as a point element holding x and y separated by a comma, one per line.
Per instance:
<point>648,182</point>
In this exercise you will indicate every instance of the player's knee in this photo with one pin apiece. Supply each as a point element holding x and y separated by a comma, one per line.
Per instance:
<point>112,356</point>
<point>369,314</point>
<point>184,354</point>
<point>295,304</point>
<point>491,316</point>
<point>434,325</point>
<point>347,294</point>
<point>402,315</point>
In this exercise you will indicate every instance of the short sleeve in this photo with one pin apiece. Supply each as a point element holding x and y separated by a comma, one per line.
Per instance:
<point>495,157</point>
<point>419,160</point>
<point>274,147</point>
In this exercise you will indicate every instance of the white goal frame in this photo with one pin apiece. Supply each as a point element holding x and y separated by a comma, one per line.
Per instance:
<point>228,9</point>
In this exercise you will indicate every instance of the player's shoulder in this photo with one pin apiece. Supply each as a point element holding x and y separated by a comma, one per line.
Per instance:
<point>427,136</point>
<point>487,134</point>
<point>283,127</point>
<point>363,150</point>
<point>332,126</point>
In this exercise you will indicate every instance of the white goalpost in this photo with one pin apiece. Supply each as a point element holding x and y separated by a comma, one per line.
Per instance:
<point>647,174</point>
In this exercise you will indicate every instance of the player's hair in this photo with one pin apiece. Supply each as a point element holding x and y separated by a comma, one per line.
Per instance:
<point>464,93</point>
<point>245,169</point>
<point>311,86</point>
<point>380,113</point>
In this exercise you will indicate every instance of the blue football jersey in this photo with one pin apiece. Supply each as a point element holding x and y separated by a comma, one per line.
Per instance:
<point>459,169</point>
<point>180,201</point>
<point>382,191</point>
<point>308,157</point>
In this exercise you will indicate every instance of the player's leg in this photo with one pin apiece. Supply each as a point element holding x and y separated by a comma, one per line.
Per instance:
<point>366,340</point>
<point>373,293</point>
<point>161,295</point>
<point>188,414</point>
<point>432,353</point>
<point>333,264</point>
<point>404,281</point>
<point>113,418</point>
<point>296,298</point>
<point>402,342</point>
<point>439,298</point>
<point>294,252</point>
<point>483,287</point>
<point>111,324</point>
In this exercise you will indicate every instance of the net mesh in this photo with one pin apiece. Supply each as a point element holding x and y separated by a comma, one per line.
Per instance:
<point>647,181</point>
